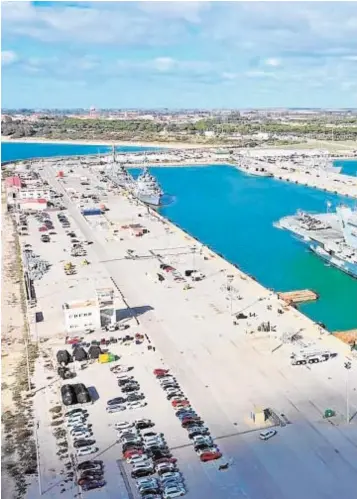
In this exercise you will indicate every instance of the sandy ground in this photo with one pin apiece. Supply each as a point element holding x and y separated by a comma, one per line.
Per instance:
<point>170,145</point>
<point>12,324</point>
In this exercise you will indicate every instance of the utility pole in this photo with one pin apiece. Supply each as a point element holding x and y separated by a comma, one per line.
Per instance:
<point>194,257</point>
<point>348,366</point>
<point>230,278</point>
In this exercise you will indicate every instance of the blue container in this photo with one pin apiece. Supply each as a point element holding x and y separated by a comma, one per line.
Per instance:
<point>91,211</point>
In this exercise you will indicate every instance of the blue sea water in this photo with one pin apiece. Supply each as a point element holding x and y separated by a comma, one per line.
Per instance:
<point>234,213</point>
<point>25,150</point>
<point>349,167</point>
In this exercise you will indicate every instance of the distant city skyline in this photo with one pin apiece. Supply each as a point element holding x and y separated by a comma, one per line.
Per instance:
<point>174,55</point>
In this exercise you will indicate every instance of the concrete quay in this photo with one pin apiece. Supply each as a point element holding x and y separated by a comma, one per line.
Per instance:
<point>225,370</point>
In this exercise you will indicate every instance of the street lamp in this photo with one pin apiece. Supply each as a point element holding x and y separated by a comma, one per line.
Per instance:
<point>348,366</point>
<point>194,248</point>
<point>230,278</point>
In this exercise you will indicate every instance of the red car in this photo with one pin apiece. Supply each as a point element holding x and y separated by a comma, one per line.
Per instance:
<point>210,456</point>
<point>43,229</point>
<point>180,403</point>
<point>187,421</point>
<point>131,452</point>
<point>72,341</point>
<point>160,372</point>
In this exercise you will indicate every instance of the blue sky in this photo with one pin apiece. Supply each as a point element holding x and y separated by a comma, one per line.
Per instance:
<point>179,54</point>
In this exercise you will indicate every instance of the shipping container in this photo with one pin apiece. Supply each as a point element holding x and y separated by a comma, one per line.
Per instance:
<point>91,211</point>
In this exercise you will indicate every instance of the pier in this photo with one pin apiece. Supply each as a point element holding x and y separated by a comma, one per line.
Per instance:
<point>299,296</point>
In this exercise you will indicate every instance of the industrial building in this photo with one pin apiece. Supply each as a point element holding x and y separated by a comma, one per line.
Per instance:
<point>93,313</point>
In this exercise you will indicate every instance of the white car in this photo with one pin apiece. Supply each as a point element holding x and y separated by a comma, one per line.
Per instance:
<point>174,491</point>
<point>75,422</point>
<point>83,451</point>
<point>139,458</point>
<point>146,482</point>
<point>265,435</point>
<point>136,405</point>
<point>78,430</point>
<point>154,441</point>
<point>200,439</point>
<point>116,408</point>
<point>123,425</point>
<point>80,436</point>
<point>131,439</point>
<point>124,377</point>
<point>163,467</point>
<point>175,475</point>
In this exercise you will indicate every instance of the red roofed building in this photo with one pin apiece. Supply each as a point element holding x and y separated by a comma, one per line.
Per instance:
<point>13,182</point>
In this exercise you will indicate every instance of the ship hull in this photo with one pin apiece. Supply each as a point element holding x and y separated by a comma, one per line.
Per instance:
<point>334,260</point>
<point>152,199</point>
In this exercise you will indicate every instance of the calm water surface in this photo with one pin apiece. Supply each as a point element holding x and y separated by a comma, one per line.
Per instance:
<point>234,214</point>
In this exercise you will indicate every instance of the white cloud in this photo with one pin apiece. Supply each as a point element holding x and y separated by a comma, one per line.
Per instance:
<point>260,74</point>
<point>229,76</point>
<point>272,61</point>
<point>8,57</point>
<point>350,58</point>
<point>164,63</point>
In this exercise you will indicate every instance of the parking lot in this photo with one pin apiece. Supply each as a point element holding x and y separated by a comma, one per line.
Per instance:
<point>224,370</point>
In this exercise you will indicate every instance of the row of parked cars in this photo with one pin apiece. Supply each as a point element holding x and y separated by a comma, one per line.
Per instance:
<point>189,419</point>
<point>81,432</point>
<point>90,475</point>
<point>63,220</point>
<point>131,397</point>
<point>152,463</point>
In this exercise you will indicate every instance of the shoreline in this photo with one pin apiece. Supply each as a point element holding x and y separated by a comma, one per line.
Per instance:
<point>109,143</point>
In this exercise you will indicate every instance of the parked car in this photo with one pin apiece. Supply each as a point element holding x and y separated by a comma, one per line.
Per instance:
<point>142,424</point>
<point>90,465</point>
<point>133,397</point>
<point>194,431</point>
<point>83,443</point>
<point>140,472</point>
<point>116,401</point>
<point>147,481</point>
<point>266,435</point>
<point>160,371</point>
<point>139,458</point>
<point>76,411</point>
<point>179,402</point>
<point>173,491</point>
<point>93,485</point>
<point>165,468</point>
<point>172,460</point>
<point>210,456</point>
<point>116,408</point>
<point>136,404</point>
<point>83,451</point>
<point>123,425</point>
<point>130,388</point>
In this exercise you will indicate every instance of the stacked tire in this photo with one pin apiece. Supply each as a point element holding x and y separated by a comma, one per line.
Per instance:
<point>68,395</point>
<point>82,393</point>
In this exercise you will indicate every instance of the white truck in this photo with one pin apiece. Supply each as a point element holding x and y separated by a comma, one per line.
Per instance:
<point>304,358</point>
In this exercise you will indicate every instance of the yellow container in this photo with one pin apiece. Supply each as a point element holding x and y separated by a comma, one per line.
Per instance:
<point>103,358</point>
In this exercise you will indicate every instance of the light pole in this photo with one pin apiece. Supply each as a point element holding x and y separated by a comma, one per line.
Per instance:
<point>230,278</point>
<point>348,366</point>
<point>193,256</point>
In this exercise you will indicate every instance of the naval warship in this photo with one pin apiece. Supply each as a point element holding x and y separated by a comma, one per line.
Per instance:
<point>331,236</point>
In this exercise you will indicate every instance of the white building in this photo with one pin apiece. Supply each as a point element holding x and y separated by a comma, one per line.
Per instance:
<point>90,314</point>
<point>81,315</point>
<point>32,204</point>
<point>39,193</point>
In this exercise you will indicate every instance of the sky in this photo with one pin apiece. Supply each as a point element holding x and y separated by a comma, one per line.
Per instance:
<point>179,54</point>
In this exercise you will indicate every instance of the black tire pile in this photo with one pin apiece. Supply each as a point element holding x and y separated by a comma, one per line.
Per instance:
<point>75,394</point>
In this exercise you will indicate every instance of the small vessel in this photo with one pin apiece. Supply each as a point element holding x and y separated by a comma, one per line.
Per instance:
<point>147,189</point>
